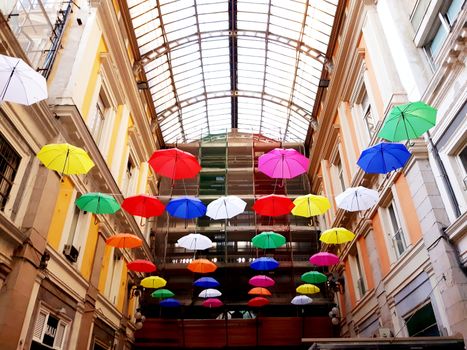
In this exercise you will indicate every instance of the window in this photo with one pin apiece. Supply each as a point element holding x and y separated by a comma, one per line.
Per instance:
<point>396,233</point>
<point>422,323</point>
<point>9,163</point>
<point>49,330</point>
<point>367,115</point>
<point>129,177</point>
<point>357,272</point>
<point>339,174</point>
<point>463,162</point>
<point>96,121</point>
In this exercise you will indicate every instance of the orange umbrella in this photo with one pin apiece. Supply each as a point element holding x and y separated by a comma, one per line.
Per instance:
<point>202,266</point>
<point>259,291</point>
<point>124,240</point>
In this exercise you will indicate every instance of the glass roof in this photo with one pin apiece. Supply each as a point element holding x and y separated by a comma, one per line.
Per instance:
<point>213,65</point>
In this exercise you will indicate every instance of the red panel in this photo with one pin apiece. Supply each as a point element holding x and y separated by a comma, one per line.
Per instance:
<point>280,331</point>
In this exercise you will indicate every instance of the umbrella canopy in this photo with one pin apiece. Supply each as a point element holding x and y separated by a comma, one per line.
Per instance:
<point>174,163</point>
<point>141,266</point>
<point>268,240</point>
<point>206,282</point>
<point>153,282</point>
<point>383,158</point>
<point>195,241</point>
<point>225,207</point>
<point>273,205</point>
<point>264,264</point>
<point>324,259</point>
<point>357,198</point>
<point>337,235</point>
<point>20,83</point>
<point>124,240</point>
<point>258,302</point>
<point>143,205</point>
<point>65,158</point>
<point>261,281</point>
<point>307,289</point>
<point>310,205</point>
<point>283,163</point>
<point>259,291</point>
<point>301,300</point>
<point>170,302</point>
<point>186,207</point>
<point>408,121</point>
<point>202,266</point>
<point>97,203</point>
<point>162,293</point>
<point>210,293</point>
<point>314,277</point>
<point>212,302</point>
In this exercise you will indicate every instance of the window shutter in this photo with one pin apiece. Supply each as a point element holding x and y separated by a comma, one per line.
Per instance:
<point>60,335</point>
<point>39,325</point>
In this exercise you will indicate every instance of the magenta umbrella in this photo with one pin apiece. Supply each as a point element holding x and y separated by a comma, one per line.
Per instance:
<point>283,163</point>
<point>324,259</point>
<point>261,281</point>
<point>212,302</point>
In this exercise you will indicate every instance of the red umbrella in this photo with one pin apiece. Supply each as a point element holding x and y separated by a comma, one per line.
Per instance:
<point>258,302</point>
<point>143,205</point>
<point>273,205</point>
<point>212,302</point>
<point>174,163</point>
<point>141,266</point>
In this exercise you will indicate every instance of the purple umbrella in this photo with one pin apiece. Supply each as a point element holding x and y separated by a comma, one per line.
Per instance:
<point>283,163</point>
<point>261,281</point>
<point>324,259</point>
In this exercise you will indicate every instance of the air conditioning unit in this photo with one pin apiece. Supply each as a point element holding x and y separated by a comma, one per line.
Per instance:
<point>70,252</point>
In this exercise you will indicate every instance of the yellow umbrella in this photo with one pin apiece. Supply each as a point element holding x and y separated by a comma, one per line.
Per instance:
<point>336,235</point>
<point>153,282</point>
<point>307,289</point>
<point>310,205</point>
<point>65,158</point>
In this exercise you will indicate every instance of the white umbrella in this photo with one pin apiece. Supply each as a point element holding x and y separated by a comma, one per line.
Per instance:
<point>210,293</point>
<point>301,300</point>
<point>357,198</point>
<point>225,207</point>
<point>20,83</point>
<point>195,241</point>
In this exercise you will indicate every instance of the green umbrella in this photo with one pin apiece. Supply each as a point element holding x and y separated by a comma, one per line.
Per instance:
<point>408,121</point>
<point>162,294</point>
<point>314,277</point>
<point>268,240</point>
<point>97,203</point>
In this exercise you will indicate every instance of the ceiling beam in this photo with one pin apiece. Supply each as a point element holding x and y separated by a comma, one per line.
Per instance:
<point>233,62</point>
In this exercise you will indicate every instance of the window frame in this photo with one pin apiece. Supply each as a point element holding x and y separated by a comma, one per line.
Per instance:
<point>358,270</point>
<point>5,197</point>
<point>43,309</point>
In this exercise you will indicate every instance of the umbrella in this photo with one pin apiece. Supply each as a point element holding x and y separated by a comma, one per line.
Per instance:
<point>186,207</point>
<point>66,159</point>
<point>261,281</point>
<point>268,240</point>
<point>314,277</point>
<point>357,198</point>
<point>264,263</point>
<point>310,205</point>
<point>153,282</point>
<point>206,282</point>
<point>408,121</point>
<point>174,163</point>
<point>97,203</point>
<point>210,293</point>
<point>301,300</point>
<point>307,289</point>
<point>258,302</point>
<point>20,83</point>
<point>143,205</point>
<point>124,240</point>
<point>383,158</point>
<point>212,302</point>
<point>162,293</point>
<point>170,302</point>
<point>202,266</point>
<point>336,235</point>
<point>195,241</point>
<point>324,259</point>
<point>273,205</point>
<point>283,163</point>
<point>141,266</point>
<point>225,207</point>
<point>259,291</point>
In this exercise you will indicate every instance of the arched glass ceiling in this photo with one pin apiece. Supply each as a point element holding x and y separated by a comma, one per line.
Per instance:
<point>213,65</point>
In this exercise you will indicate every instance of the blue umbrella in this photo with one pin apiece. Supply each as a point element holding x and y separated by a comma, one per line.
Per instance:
<point>264,263</point>
<point>383,158</point>
<point>186,207</point>
<point>206,282</point>
<point>170,302</point>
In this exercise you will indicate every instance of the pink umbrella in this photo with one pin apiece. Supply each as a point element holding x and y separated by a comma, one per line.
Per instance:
<point>324,259</point>
<point>283,163</point>
<point>261,281</point>
<point>212,302</point>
